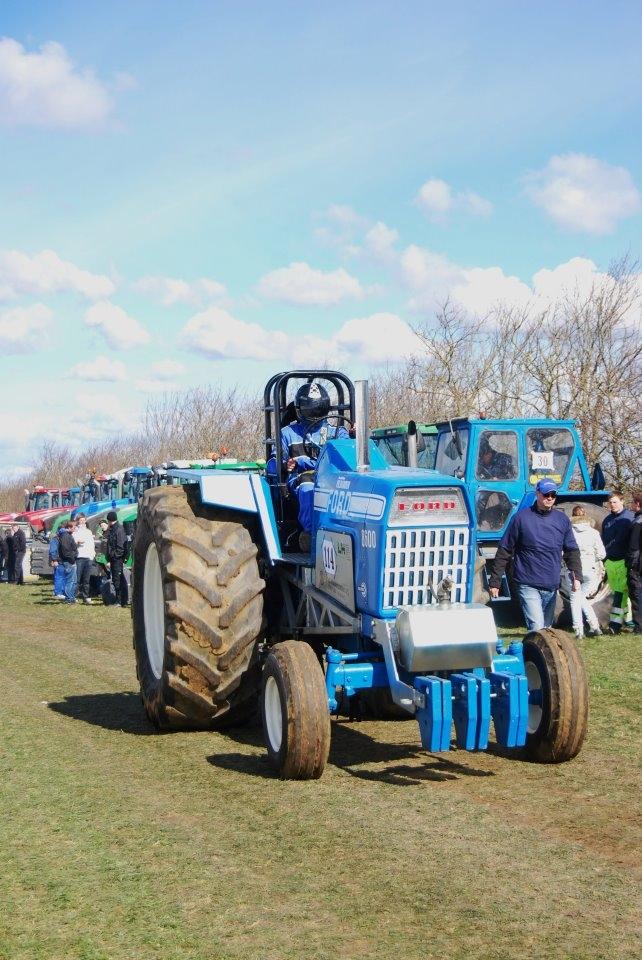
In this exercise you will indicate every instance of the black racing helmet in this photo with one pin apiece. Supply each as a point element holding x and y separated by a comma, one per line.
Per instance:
<point>312,402</point>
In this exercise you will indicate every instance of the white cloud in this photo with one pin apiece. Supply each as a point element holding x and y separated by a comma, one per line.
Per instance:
<point>47,273</point>
<point>119,330</point>
<point>376,339</point>
<point>156,386</point>
<point>45,89</point>
<point>102,368</point>
<point>436,198</point>
<point>582,193</point>
<point>166,369</point>
<point>220,336</point>
<point>380,241</point>
<point>301,284</point>
<point>171,290</point>
<point>24,329</point>
<point>344,216</point>
<point>472,203</point>
<point>429,276</point>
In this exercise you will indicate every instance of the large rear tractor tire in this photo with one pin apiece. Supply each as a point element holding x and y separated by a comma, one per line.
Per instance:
<point>197,610</point>
<point>558,696</point>
<point>294,709</point>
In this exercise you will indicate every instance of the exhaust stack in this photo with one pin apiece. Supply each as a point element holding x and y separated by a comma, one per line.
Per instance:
<point>412,444</point>
<point>363,430</point>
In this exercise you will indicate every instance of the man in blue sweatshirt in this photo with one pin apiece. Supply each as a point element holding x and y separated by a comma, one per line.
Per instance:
<point>537,539</point>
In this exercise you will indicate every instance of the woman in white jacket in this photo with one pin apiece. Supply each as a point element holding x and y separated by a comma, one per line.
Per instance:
<point>592,553</point>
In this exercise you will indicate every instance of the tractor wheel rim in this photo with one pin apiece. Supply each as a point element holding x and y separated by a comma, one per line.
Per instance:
<point>273,713</point>
<point>154,611</point>
<point>534,680</point>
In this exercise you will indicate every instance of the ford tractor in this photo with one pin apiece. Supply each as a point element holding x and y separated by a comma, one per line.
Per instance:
<point>225,611</point>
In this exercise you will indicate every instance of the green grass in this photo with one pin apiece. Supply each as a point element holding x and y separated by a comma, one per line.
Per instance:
<point>120,844</point>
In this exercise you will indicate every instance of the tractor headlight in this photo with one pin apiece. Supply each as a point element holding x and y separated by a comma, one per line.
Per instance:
<point>428,506</point>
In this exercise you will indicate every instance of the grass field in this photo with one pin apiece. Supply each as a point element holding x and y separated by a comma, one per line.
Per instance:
<point>121,844</point>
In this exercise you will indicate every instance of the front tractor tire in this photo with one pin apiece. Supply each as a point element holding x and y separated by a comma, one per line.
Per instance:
<point>558,696</point>
<point>294,709</point>
<point>197,610</point>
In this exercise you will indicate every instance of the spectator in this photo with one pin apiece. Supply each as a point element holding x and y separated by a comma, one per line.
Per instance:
<point>11,567</point>
<point>634,562</point>
<point>19,551</point>
<point>592,553</point>
<point>536,540</point>
<point>86,552</point>
<point>68,552</point>
<point>4,556</point>
<point>116,539</point>
<point>56,563</point>
<point>616,529</point>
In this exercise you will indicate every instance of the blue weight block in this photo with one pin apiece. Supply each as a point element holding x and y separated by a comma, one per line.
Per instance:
<point>471,710</point>
<point>435,719</point>
<point>465,709</point>
<point>509,708</point>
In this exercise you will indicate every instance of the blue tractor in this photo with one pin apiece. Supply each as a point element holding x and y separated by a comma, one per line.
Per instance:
<point>500,462</point>
<point>224,611</point>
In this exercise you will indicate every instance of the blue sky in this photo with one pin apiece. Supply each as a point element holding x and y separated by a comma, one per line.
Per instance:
<point>210,191</point>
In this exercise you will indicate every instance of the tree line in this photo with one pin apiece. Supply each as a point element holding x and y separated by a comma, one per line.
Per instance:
<point>579,358</point>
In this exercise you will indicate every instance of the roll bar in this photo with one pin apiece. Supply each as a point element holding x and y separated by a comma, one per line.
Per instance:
<point>275,405</point>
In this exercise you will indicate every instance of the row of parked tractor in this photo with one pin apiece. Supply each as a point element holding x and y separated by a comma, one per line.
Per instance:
<point>48,508</point>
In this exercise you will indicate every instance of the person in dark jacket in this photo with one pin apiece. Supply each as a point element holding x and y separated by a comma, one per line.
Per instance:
<point>616,530</point>
<point>633,561</point>
<point>11,566</point>
<point>4,556</point>
<point>537,539</point>
<point>68,554</point>
<point>19,551</point>
<point>116,539</point>
<point>58,569</point>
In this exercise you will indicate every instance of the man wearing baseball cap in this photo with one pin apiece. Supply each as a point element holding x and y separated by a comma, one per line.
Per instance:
<point>537,539</point>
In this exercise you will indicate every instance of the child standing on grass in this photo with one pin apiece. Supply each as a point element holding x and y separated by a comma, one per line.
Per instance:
<point>592,553</point>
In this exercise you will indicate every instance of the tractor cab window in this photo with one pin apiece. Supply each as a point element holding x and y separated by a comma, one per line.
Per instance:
<point>55,499</point>
<point>394,449</point>
<point>41,501</point>
<point>451,453</point>
<point>492,508</point>
<point>549,451</point>
<point>497,455</point>
<point>66,499</point>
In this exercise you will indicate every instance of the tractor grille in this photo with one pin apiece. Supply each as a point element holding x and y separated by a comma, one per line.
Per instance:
<point>418,559</point>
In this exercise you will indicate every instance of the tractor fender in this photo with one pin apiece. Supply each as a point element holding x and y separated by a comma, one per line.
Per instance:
<point>245,492</point>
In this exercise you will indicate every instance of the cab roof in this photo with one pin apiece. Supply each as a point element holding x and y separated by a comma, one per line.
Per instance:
<point>504,422</point>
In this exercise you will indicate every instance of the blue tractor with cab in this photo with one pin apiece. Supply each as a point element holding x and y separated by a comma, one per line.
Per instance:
<point>378,609</point>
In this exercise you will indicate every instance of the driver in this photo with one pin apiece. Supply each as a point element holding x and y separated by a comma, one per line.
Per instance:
<point>493,465</point>
<point>301,443</point>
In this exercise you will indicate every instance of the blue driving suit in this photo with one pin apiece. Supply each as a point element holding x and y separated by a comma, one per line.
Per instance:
<point>302,441</point>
